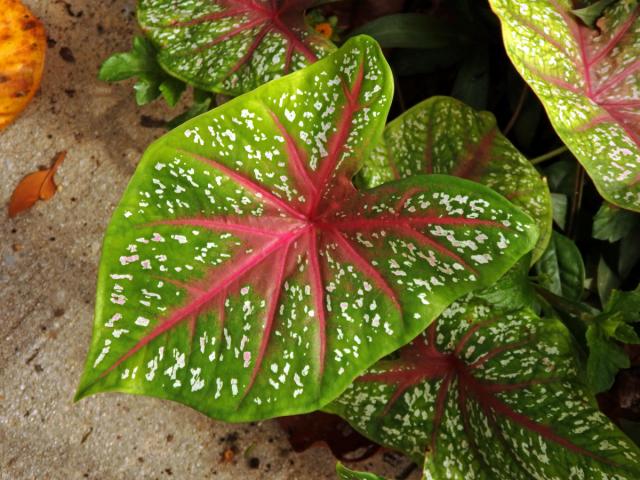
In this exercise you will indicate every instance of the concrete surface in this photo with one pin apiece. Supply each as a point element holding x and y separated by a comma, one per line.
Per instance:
<point>48,262</point>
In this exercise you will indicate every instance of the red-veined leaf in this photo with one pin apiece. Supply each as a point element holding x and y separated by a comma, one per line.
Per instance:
<point>231,46</point>
<point>489,394</point>
<point>588,81</point>
<point>243,274</point>
<point>443,135</point>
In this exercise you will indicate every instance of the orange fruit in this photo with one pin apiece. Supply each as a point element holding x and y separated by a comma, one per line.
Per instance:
<point>22,49</point>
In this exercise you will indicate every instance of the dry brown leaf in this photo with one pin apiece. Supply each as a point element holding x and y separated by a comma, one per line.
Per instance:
<point>36,186</point>
<point>22,48</point>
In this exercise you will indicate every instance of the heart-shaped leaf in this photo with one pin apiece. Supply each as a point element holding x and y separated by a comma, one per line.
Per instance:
<point>491,395</point>
<point>231,46</point>
<point>588,81</point>
<point>243,274</point>
<point>443,135</point>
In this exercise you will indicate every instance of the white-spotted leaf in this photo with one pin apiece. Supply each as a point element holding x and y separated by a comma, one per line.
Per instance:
<point>489,394</point>
<point>231,46</point>
<point>589,82</point>
<point>244,275</point>
<point>443,135</point>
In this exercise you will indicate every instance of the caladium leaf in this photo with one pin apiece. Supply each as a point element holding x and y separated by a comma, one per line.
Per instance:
<point>443,135</point>
<point>490,395</point>
<point>588,81</point>
<point>243,274</point>
<point>231,46</point>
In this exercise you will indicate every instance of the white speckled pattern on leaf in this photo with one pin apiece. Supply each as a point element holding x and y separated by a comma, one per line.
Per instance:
<point>588,81</point>
<point>484,394</point>
<point>231,46</point>
<point>243,274</point>
<point>443,135</point>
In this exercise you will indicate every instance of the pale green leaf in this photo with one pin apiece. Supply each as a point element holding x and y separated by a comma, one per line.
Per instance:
<point>243,274</point>
<point>588,81</point>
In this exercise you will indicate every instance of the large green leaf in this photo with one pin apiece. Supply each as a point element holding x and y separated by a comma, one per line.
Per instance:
<point>443,135</point>
<point>243,274</point>
<point>588,81</point>
<point>489,394</point>
<point>231,46</point>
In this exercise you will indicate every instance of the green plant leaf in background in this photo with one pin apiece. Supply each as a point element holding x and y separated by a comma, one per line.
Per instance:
<point>489,394</point>
<point>606,280</point>
<point>612,223</point>
<point>605,332</point>
<point>561,269</point>
<point>443,135</point>
<point>593,12</point>
<point>141,63</point>
<point>231,46</point>
<point>345,473</point>
<point>513,290</point>
<point>202,102</point>
<point>414,30</point>
<point>472,81</point>
<point>242,273</point>
<point>588,81</point>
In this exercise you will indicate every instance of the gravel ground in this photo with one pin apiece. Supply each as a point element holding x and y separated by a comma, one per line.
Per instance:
<point>48,265</point>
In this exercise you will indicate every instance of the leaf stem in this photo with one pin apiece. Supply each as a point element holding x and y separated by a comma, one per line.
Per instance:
<point>549,155</point>
<point>576,201</point>
<point>516,112</point>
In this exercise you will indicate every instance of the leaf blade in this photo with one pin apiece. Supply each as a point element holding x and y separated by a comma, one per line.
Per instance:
<point>223,224</point>
<point>443,135</point>
<point>593,77</point>
<point>477,389</point>
<point>231,46</point>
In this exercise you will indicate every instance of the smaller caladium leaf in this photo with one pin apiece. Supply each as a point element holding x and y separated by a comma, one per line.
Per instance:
<point>589,82</point>
<point>244,275</point>
<point>443,135</point>
<point>489,395</point>
<point>231,46</point>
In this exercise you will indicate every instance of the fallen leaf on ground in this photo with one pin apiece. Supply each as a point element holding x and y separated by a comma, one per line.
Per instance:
<point>36,186</point>
<point>22,51</point>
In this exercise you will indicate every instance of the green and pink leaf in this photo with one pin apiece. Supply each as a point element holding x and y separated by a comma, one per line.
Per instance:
<point>243,274</point>
<point>589,82</point>
<point>489,394</point>
<point>231,46</point>
<point>443,135</point>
